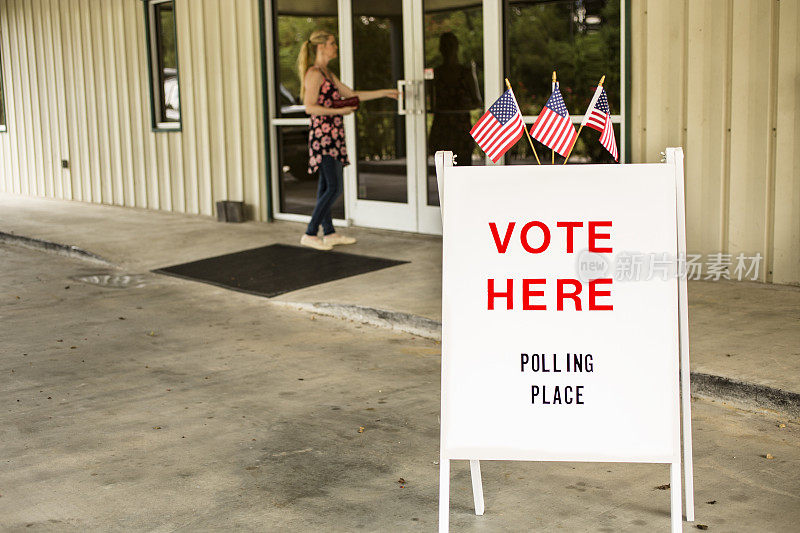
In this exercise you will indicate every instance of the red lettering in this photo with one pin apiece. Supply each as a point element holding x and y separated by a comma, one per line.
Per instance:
<point>593,292</point>
<point>561,294</point>
<point>508,295</point>
<point>570,226</point>
<point>502,247</point>
<point>594,236</point>
<point>545,237</point>
<point>527,294</point>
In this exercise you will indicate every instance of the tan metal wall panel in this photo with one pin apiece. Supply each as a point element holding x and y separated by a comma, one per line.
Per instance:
<point>750,127</point>
<point>231,128</point>
<point>252,108</point>
<point>638,70</point>
<point>665,67</point>
<point>199,93</point>
<point>706,124</point>
<point>786,265</point>
<point>216,101</point>
<point>189,153</point>
<point>719,77</point>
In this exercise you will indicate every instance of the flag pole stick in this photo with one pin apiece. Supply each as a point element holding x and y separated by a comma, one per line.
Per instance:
<point>552,151</point>
<point>581,128</point>
<point>524,127</point>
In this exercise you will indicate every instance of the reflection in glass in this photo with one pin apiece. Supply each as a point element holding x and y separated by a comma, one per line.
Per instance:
<point>381,135</point>
<point>454,60</point>
<point>578,39</point>
<point>298,188</point>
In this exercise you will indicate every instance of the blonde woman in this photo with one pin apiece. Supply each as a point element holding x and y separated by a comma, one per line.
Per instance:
<point>320,88</point>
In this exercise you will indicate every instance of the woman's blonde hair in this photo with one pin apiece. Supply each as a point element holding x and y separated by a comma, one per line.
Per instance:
<point>308,54</point>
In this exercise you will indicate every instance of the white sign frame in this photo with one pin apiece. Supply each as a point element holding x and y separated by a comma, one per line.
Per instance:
<point>674,160</point>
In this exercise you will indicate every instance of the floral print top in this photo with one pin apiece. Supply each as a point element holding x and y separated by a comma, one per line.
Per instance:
<point>326,136</point>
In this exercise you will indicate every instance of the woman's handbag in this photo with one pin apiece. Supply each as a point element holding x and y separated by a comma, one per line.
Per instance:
<point>346,102</point>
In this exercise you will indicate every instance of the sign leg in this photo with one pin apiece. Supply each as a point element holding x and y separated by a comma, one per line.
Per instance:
<point>444,495</point>
<point>676,517</point>
<point>688,467</point>
<point>477,486</point>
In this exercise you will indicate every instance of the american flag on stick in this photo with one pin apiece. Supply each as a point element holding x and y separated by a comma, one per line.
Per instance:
<point>553,127</point>
<point>598,117</point>
<point>500,127</point>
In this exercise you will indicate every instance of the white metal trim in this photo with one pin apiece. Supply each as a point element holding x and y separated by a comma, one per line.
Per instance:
<point>273,142</point>
<point>346,74</point>
<point>292,217</point>
<point>290,121</point>
<point>623,67</point>
<point>493,42</point>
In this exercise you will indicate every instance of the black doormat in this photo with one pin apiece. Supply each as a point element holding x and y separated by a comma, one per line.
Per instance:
<point>276,269</point>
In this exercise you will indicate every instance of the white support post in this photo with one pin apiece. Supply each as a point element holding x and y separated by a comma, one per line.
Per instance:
<point>675,157</point>
<point>444,494</point>
<point>477,486</point>
<point>493,85</point>
<point>442,159</point>
<point>676,519</point>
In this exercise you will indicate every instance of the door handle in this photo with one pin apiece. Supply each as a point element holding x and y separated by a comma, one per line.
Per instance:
<point>401,97</point>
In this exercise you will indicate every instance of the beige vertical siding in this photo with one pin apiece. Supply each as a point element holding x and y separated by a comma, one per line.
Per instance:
<point>720,78</point>
<point>786,259</point>
<point>76,84</point>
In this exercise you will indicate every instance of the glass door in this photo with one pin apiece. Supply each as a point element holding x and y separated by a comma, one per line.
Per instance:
<point>382,191</point>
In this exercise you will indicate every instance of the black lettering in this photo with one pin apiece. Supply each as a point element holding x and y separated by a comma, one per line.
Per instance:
<point>589,364</point>
<point>578,395</point>
<point>534,393</point>
<point>568,394</point>
<point>525,360</point>
<point>555,363</point>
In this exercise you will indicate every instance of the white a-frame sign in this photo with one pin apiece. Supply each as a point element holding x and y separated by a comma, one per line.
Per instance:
<point>564,318</point>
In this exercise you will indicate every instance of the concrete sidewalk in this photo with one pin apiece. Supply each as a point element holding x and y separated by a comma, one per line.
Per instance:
<point>745,337</point>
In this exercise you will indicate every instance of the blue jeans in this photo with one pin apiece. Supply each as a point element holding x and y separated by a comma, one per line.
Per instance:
<point>329,189</point>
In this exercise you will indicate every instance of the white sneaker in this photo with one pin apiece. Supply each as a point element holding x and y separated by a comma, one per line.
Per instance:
<point>334,238</point>
<point>314,242</point>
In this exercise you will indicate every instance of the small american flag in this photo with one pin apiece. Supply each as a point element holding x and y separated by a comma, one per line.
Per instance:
<point>598,117</point>
<point>500,127</point>
<point>553,127</point>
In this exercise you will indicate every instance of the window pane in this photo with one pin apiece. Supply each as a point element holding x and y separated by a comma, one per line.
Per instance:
<point>578,39</point>
<point>298,188</point>
<point>167,60</point>
<point>294,23</point>
<point>381,134</point>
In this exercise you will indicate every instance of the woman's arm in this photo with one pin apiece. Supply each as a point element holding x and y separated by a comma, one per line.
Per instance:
<point>313,82</point>
<point>347,92</point>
